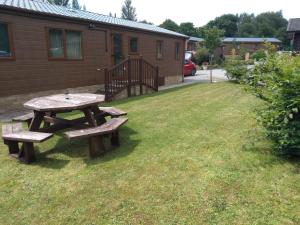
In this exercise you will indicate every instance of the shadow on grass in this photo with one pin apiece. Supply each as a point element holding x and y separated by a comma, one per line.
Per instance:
<point>269,157</point>
<point>80,149</point>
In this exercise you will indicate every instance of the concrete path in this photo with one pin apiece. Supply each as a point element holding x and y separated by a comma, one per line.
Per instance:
<point>202,76</point>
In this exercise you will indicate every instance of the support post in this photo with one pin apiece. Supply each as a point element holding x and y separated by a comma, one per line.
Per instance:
<point>106,83</point>
<point>115,139</point>
<point>96,147</point>
<point>129,77</point>
<point>156,78</point>
<point>141,74</point>
<point>29,155</point>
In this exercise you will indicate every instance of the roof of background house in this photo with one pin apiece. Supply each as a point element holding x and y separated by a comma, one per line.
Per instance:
<point>294,24</point>
<point>196,39</point>
<point>251,40</point>
<point>41,7</point>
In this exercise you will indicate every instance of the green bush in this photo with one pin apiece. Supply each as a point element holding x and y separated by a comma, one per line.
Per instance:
<point>276,80</point>
<point>202,55</point>
<point>236,69</point>
<point>259,55</point>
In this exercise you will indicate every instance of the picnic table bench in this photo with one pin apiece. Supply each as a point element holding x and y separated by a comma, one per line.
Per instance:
<point>44,121</point>
<point>14,133</point>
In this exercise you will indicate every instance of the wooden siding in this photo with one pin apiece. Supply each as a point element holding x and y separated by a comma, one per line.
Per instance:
<point>296,46</point>
<point>32,71</point>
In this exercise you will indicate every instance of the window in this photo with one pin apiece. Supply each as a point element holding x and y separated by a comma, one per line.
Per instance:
<point>5,42</point>
<point>65,44</point>
<point>177,51</point>
<point>159,49</point>
<point>133,45</point>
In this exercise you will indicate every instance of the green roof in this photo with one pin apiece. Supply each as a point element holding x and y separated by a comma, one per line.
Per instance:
<point>43,7</point>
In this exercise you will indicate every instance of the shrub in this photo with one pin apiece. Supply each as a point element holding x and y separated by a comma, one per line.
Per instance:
<point>276,80</point>
<point>202,56</point>
<point>259,55</point>
<point>236,69</point>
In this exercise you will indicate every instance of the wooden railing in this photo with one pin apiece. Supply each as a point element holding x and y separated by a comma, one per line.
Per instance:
<point>131,72</point>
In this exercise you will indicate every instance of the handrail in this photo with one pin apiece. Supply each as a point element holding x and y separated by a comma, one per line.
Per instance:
<point>128,73</point>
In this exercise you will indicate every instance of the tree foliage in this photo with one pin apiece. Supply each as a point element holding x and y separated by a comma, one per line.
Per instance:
<point>226,22</point>
<point>276,80</point>
<point>188,29</point>
<point>128,11</point>
<point>170,25</point>
<point>60,2</point>
<point>212,38</point>
<point>75,4</point>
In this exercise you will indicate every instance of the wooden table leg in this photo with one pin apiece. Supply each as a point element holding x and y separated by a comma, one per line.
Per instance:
<point>101,119</point>
<point>96,146</point>
<point>36,121</point>
<point>89,115</point>
<point>26,152</point>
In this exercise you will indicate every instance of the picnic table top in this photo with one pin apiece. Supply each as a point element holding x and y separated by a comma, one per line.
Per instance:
<point>64,102</point>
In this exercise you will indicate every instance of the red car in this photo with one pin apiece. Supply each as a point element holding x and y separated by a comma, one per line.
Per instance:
<point>189,68</point>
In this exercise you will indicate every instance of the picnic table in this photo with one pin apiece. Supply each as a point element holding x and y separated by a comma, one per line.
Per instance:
<point>46,109</point>
<point>45,120</point>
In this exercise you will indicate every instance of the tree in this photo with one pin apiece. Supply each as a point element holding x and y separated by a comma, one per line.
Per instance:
<point>188,29</point>
<point>170,25</point>
<point>145,21</point>
<point>59,2</point>
<point>212,40</point>
<point>226,22</point>
<point>75,4</point>
<point>128,11</point>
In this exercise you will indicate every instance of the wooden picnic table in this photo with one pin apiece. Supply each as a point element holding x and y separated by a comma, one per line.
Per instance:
<point>44,122</point>
<point>46,110</point>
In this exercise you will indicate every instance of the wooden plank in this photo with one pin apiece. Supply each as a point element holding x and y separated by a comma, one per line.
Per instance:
<point>109,127</point>
<point>24,118</point>
<point>27,136</point>
<point>12,128</point>
<point>112,111</point>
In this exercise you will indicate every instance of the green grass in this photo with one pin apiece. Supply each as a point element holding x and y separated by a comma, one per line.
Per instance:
<point>182,160</point>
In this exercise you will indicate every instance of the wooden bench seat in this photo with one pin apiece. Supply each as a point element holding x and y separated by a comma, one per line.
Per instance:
<point>95,135</point>
<point>14,133</point>
<point>113,112</point>
<point>24,118</point>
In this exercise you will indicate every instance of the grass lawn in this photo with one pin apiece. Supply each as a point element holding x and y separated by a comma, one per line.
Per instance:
<point>181,161</point>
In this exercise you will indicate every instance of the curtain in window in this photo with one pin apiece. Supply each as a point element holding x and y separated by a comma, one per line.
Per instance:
<point>56,44</point>
<point>4,41</point>
<point>133,45</point>
<point>73,39</point>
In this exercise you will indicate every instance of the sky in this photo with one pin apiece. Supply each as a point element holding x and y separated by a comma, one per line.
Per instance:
<point>198,12</point>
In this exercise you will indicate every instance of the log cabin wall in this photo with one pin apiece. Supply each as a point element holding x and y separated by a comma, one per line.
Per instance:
<point>31,70</point>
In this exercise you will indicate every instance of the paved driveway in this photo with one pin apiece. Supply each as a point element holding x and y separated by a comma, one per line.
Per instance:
<point>204,76</point>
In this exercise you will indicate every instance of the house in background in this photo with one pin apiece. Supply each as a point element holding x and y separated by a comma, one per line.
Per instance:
<point>48,47</point>
<point>293,30</point>
<point>249,44</point>
<point>193,43</point>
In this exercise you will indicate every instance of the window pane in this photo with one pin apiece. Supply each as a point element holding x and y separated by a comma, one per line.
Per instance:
<point>159,49</point>
<point>177,50</point>
<point>5,50</point>
<point>56,44</point>
<point>133,45</point>
<point>73,39</point>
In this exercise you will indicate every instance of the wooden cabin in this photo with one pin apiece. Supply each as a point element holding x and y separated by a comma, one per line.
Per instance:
<point>293,30</point>
<point>48,47</point>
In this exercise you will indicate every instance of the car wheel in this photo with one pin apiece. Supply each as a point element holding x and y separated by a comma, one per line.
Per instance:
<point>194,71</point>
